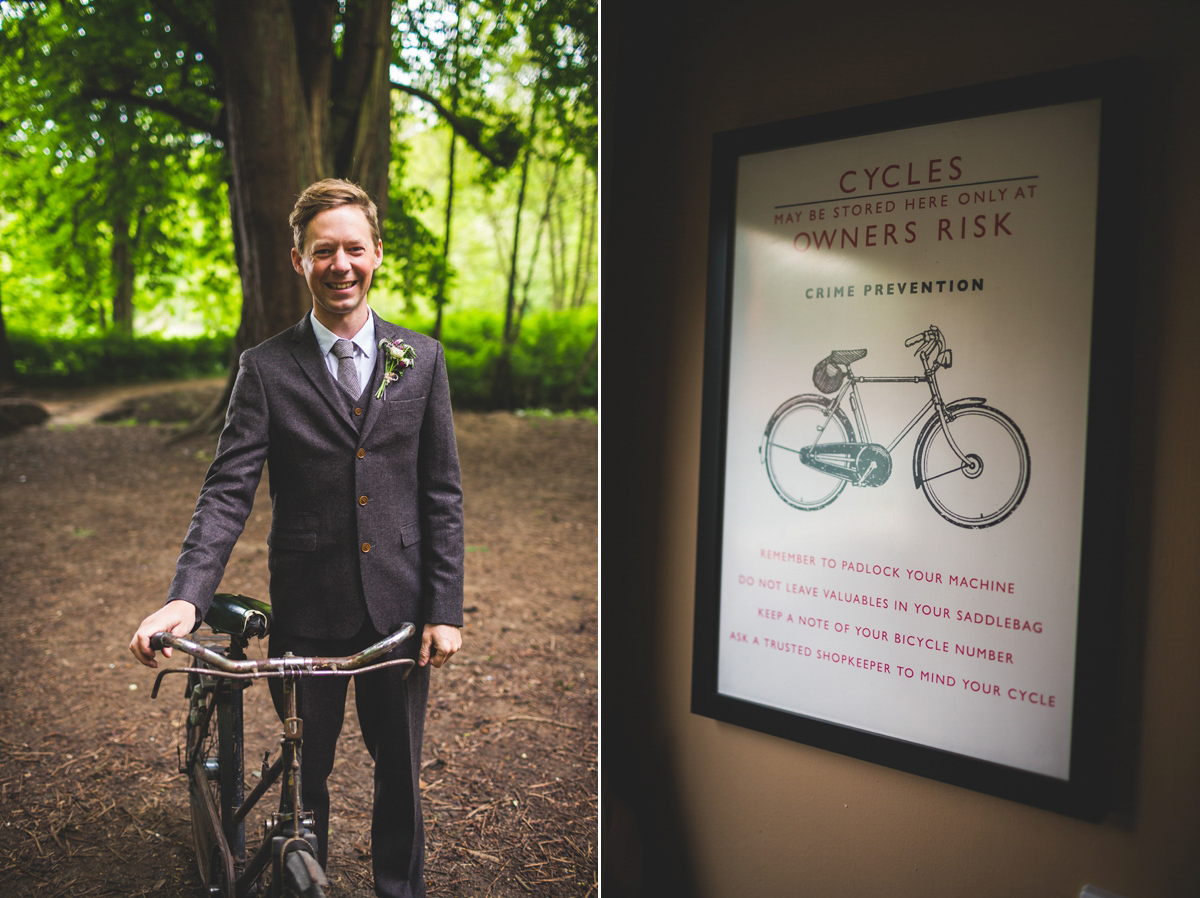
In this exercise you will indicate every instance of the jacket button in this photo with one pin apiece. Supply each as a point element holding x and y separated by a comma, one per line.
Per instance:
<point>362,500</point>
<point>362,453</point>
<point>366,547</point>
<point>358,411</point>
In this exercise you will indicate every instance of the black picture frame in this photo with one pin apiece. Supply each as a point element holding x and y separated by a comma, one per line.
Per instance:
<point>1084,792</point>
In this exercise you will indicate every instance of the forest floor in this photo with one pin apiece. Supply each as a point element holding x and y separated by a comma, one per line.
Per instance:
<point>91,800</point>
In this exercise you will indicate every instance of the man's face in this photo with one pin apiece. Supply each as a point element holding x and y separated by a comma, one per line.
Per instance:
<point>338,262</point>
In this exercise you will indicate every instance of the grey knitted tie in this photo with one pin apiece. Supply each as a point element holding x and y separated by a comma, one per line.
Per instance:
<point>347,370</point>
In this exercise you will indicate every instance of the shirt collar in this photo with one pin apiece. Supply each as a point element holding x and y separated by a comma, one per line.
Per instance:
<point>364,339</point>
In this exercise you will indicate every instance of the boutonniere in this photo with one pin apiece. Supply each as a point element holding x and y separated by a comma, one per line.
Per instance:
<point>399,358</point>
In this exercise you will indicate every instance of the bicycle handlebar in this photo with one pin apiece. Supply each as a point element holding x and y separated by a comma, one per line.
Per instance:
<point>931,335</point>
<point>931,348</point>
<point>288,665</point>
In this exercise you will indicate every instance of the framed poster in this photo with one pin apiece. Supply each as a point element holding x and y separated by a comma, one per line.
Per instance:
<point>914,425</point>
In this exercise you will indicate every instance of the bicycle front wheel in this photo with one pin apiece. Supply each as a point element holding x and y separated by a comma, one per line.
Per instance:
<point>805,420</point>
<point>302,876</point>
<point>985,484</point>
<point>214,861</point>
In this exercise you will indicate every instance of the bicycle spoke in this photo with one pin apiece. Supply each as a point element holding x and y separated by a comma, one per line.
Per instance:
<point>944,473</point>
<point>784,448</point>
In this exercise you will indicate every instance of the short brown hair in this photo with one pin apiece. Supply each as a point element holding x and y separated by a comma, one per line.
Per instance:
<point>329,194</point>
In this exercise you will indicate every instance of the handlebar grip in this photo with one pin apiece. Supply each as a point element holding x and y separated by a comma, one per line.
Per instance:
<point>915,339</point>
<point>158,640</point>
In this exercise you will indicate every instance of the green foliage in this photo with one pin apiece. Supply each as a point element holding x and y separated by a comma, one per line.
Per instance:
<point>116,358</point>
<point>554,360</point>
<point>124,199</point>
<point>560,40</point>
<point>113,146</point>
<point>414,263</point>
<point>157,188</point>
<point>491,62</point>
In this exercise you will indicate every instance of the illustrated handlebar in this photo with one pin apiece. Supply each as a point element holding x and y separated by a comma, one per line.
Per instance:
<point>932,348</point>
<point>929,339</point>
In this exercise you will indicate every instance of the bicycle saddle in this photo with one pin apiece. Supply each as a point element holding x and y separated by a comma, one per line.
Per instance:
<point>239,616</point>
<point>847,356</point>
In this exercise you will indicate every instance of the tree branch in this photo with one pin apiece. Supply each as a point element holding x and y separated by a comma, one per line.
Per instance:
<point>469,130</point>
<point>195,35</point>
<point>213,128</point>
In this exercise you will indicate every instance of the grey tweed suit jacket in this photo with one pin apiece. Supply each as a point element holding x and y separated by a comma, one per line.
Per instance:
<point>366,496</point>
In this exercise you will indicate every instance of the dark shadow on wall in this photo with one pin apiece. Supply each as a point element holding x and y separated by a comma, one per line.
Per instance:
<point>1147,331</point>
<point>644,851</point>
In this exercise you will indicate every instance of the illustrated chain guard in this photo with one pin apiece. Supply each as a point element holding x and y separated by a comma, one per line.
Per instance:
<point>862,464</point>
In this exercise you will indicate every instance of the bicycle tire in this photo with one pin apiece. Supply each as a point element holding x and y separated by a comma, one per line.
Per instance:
<point>214,862</point>
<point>989,487</point>
<point>803,421</point>
<point>298,879</point>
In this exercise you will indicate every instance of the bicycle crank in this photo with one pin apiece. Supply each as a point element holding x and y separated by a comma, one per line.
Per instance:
<point>862,464</point>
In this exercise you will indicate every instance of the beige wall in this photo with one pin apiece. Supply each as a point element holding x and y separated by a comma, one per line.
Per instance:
<point>718,810</point>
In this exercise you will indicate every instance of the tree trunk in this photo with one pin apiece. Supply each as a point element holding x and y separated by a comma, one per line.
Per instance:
<point>543,223</point>
<point>558,257</point>
<point>8,368</point>
<point>122,275</point>
<point>502,389</point>
<point>274,153</point>
<point>295,114</point>
<point>587,242</point>
<point>272,158</point>
<point>361,116</point>
<point>439,299</point>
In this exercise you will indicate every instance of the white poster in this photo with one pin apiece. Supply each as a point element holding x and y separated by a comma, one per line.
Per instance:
<point>905,441</point>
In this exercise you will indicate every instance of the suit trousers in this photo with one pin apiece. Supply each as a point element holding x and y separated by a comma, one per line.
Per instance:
<point>391,712</point>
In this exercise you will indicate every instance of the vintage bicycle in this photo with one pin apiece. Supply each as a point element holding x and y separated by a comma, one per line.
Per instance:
<point>284,860</point>
<point>970,460</point>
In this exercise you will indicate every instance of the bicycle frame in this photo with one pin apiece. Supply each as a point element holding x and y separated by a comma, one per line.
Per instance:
<point>215,687</point>
<point>936,402</point>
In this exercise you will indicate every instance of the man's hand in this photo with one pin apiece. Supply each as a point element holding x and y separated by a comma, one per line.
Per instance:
<point>177,618</point>
<point>438,643</point>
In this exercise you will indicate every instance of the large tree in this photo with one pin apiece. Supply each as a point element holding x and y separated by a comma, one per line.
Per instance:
<point>289,90</point>
<point>271,95</point>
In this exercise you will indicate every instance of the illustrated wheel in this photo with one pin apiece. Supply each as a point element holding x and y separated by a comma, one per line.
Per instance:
<point>805,420</point>
<point>988,486</point>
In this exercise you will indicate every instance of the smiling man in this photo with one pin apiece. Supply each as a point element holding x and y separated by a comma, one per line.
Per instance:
<point>352,416</point>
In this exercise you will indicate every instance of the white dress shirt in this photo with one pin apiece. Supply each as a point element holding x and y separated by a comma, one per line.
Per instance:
<point>364,348</point>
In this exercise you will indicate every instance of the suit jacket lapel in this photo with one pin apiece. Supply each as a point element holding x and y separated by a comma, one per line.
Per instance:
<point>308,356</point>
<point>383,330</point>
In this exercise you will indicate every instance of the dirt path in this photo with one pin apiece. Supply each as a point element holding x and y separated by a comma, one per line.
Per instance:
<point>91,803</point>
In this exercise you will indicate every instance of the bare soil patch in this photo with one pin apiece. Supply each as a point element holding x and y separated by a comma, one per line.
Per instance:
<point>91,801</point>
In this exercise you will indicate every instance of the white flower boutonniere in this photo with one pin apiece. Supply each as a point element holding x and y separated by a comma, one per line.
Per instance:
<point>400,357</point>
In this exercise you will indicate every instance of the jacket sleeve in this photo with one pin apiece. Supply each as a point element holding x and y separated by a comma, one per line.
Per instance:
<point>228,492</point>
<point>440,496</point>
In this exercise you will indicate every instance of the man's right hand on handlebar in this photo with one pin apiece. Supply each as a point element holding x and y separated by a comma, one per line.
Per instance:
<point>177,618</point>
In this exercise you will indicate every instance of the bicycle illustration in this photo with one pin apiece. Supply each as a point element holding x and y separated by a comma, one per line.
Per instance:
<point>971,461</point>
<point>284,862</point>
